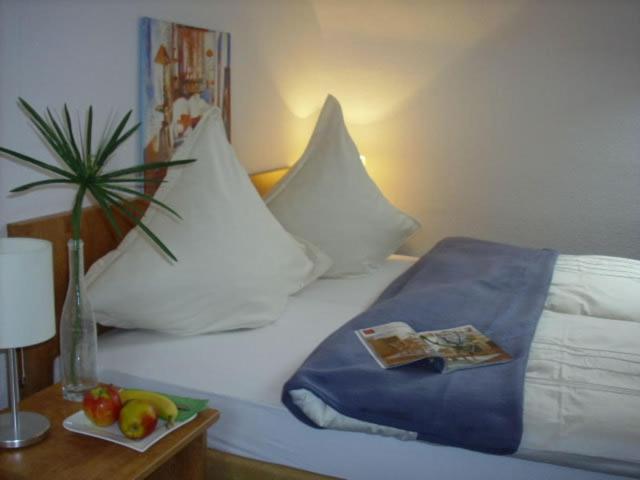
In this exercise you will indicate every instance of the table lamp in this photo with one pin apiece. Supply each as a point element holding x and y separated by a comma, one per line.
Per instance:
<point>27,317</point>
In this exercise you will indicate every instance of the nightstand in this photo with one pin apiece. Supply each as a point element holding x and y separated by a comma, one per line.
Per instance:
<point>67,455</point>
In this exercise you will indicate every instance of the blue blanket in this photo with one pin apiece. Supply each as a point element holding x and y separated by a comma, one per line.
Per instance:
<point>500,289</point>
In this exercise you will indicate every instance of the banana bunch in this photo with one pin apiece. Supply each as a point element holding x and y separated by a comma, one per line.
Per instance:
<point>164,407</point>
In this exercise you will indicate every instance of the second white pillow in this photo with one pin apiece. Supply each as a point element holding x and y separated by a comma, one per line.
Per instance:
<point>328,199</point>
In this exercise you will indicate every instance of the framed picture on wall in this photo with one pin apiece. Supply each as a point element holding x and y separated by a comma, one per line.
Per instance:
<point>184,71</point>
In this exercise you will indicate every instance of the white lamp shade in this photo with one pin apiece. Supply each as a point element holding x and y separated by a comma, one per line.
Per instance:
<point>27,313</point>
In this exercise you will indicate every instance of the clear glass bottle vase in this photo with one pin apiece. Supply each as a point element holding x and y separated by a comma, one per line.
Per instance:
<point>78,332</point>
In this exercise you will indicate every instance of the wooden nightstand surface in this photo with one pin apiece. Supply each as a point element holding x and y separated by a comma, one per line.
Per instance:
<point>68,455</point>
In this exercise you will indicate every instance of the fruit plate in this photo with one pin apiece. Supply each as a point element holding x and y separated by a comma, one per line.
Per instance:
<point>79,423</point>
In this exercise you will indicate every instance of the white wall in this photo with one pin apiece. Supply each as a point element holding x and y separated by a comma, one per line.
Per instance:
<point>512,120</point>
<point>517,121</point>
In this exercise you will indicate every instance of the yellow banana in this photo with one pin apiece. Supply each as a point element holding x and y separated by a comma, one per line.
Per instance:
<point>164,406</point>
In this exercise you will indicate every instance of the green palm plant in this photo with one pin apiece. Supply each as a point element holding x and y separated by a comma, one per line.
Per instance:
<point>84,167</point>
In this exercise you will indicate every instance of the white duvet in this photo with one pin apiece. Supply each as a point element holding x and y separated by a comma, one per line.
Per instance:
<point>582,389</point>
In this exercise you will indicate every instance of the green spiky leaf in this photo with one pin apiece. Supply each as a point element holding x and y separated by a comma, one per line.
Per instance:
<point>44,129</point>
<point>109,145</point>
<point>87,151</point>
<point>101,180</point>
<point>28,186</point>
<point>147,166</point>
<point>66,152</point>
<point>144,196</point>
<point>37,163</point>
<point>103,201</point>
<point>119,203</point>
<point>70,136</point>
<point>109,149</point>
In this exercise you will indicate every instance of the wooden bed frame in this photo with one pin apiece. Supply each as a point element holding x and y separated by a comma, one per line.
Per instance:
<point>99,238</point>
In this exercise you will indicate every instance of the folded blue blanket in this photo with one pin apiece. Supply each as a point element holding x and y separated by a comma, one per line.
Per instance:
<point>500,289</point>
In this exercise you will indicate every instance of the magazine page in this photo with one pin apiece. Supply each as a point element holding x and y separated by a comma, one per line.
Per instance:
<point>462,347</point>
<point>393,344</point>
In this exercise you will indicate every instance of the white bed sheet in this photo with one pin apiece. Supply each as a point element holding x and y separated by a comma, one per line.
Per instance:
<point>242,374</point>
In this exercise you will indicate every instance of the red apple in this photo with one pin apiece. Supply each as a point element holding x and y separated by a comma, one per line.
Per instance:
<point>137,419</point>
<point>102,405</point>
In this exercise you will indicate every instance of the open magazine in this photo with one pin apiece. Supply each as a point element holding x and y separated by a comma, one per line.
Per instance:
<point>396,343</point>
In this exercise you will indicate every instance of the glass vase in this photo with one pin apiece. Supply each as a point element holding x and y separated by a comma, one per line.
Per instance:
<point>78,332</point>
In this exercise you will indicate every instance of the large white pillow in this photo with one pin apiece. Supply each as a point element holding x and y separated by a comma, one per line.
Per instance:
<point>236,264</point>
<point>328,199</point>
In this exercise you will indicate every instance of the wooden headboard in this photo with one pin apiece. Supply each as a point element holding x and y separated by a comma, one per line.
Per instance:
<point>99,238</point>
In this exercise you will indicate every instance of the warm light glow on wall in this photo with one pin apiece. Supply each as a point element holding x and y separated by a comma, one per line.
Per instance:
<point>303,103</point>
<point>364,99</point>
<point>360,105</point>
<point>369,62</point>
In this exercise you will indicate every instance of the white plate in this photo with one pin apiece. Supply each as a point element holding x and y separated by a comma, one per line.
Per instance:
<point>79,423</point>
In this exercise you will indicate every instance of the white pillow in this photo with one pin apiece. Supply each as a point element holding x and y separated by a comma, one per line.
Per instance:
<point>236,264</point>
<point>328,199</point>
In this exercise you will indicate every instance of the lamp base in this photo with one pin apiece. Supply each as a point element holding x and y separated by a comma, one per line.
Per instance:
<point>32,427</point>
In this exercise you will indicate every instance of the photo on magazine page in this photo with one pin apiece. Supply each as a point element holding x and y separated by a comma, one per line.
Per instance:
<point>463,347</point>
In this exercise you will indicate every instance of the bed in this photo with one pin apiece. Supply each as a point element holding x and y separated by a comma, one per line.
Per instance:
<point>246,388</point>
<point>247,370</point>
<point>580,399</point>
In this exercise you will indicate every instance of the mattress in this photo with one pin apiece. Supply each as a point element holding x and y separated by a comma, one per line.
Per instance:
<point>242,374</point>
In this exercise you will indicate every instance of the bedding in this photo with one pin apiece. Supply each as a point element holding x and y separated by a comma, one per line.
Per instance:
<point>500,289</point>
<point>328,199</point>
<point>568,415</point>
<point>236,264</point>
